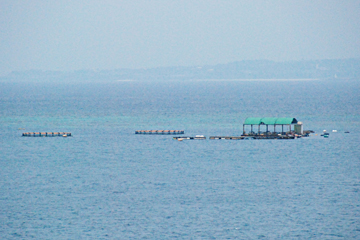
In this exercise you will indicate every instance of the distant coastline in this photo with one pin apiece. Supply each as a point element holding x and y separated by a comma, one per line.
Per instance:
<point>250,70</point>
<point>258,79</point>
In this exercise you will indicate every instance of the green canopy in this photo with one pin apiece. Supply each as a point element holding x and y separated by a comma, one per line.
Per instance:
<point>269,121</point>
<point>252,121</point>
<point>283,121</point>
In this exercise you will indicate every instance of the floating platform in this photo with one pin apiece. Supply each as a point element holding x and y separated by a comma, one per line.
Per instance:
<point>247,137</point>
<point>46,134</point>
<point>197,137</point>
<point>226,137</point>
<point>159,132</point>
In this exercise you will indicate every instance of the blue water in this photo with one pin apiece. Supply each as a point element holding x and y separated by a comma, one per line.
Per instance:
<point>105,182</point>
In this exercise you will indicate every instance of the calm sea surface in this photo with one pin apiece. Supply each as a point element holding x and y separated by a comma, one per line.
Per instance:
<point>105,182</point>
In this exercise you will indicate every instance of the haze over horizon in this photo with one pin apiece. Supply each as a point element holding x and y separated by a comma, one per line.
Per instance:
<point>67,35</point>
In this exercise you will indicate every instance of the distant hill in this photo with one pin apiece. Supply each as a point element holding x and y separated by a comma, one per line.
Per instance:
<point>256,69</point>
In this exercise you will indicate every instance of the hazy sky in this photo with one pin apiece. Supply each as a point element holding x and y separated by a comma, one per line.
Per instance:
<point>108,34</point>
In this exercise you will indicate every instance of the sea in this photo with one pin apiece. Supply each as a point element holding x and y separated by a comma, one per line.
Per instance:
<point>106,182</point>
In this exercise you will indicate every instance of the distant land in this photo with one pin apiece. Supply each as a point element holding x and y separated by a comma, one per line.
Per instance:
<point>249,69</point>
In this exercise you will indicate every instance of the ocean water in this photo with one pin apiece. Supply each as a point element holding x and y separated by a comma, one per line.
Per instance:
<point>105,182</point>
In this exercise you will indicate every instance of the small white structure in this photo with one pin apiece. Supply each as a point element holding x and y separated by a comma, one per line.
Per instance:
<point>298,128</point>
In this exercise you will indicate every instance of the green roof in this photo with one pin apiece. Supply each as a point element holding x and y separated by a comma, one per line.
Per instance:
<point>252,121</point>
<point>270,121</point>
<point>280,121</point>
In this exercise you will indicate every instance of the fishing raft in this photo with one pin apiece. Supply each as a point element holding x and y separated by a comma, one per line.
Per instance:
<point>197,137</point>
<point>46,134</point>
<point>159,132</point>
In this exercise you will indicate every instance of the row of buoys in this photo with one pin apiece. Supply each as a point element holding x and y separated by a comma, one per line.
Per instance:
<point>334,131</point>
<point>326,135</point>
